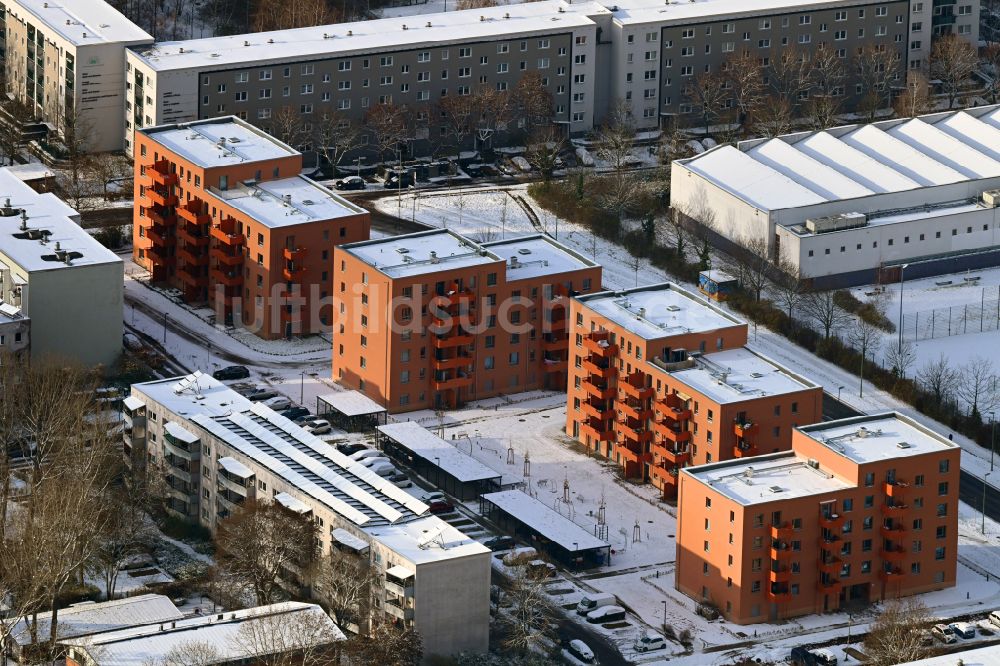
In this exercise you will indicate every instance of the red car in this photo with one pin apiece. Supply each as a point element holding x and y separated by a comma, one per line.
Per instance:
<point>441,506</point>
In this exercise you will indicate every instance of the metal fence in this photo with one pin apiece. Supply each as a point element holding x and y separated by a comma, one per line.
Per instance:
<point>953,320</point>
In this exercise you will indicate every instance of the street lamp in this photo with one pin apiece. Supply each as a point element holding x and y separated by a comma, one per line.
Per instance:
<point>993,437</point>
<point>359,160</point>
<point>984,501</point>
<point>839,389</point>
<point>664,602</point>
<point>437,472</point>
<point>302,387</point>
<point>899,349</point>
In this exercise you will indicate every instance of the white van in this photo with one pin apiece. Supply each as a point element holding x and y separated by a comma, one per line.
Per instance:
<point>593,601</point>
<point>963,629</point>
<point>606,614</point>
<point>995,617</point>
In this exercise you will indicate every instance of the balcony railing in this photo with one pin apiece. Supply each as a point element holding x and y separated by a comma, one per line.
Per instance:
<point>745,429</point>
<point>831,521</point>
<point>634,386</point>
<point>193,215</point>
<point>227,278</point>
<point>454,340</point>
<point>599,410</point>
<point>395,610</point>
<point>159,173</point>
<point>596,370</point>
<point>896,488</point>
<point>600,391</point>
<point>894,509</point>
<point>599,343</point>
<point>293,273</point>
<point>596,431</point>
<point>782,531</point>
<point>637,413</point>
<point>744,450</point>
<point>294,254</point>
<point>672,456</point>
<point>451,363</point>
<point>226,258</point>
<point>894,530</point>
<point>894,553</point>
<point>671,434</point>
<point>780,575</point>
<point>227,237</point>
<point>458,382</point>
<point>161,198</point>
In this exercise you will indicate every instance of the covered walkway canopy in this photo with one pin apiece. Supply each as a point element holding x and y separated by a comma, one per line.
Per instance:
<point>548,529</point>
<point>352,411</point>
<point>455,472</point>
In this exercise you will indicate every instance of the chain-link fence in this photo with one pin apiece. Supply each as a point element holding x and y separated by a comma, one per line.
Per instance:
<point>952,320</point>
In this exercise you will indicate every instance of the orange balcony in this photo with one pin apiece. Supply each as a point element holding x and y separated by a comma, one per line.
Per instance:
<point>226,259</point>
<point>894,531</point>
<point>634,433</point>
<point>554,343</point>
<point>831,521</point>
<point>894,509</point>
<point>159,174</point>
<point>193,216</point>
<point>780,575</point>
<point>893,554</point>
<point>831,566</point>
<point>294,254</point>
<point>192,277</point>
<point>185,233</point>
<point>456,295</point>
<point>672,409</point>
<point>891,575</point>
<point>896,489</point>
<point>599,344</point>
<point>156,235</point>
<point>675,435</point>
<point>779,554</point>
<point>595,370</point>
<point>778,595</point>
<point>159,256</point>
<point>782,531</point>
<point>161,198</point>
<point>598,410</point>
<point>293,274</point>
<point>189,257</point>
<point>554,365</point>
<point>670,455</point>
<point>596,431</point>
<point>748,429</point>
<point>556,323</point>
<point>159,218</point>
<point>632,456</point>
<point>744,450</point>
<point>227,278</point>
<point>597,391</point>
<point>666,475</point>
<point>227,238</point>
<point>637,413</point>
<point>829,586</point>
<point>634,386</point>
<point>454,340</point>
<point>451,363</point>
<point>452,383</point>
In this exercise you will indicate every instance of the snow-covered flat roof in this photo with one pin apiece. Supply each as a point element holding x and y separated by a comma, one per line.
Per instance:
<point>376,36</point>
<point>659,310</point>
<point>428,539</point>
<point>196,393</point>
<point>46,218</point>
<point>769,478</point>
<point>352,403</point>
<point>287,201</point>
<point>735,375</point>
<point>31,171</point>
<point>84,22</point>
<point>418,439</point>
<point>226,633</point>
<point>546,521</point>
<point>535,256</point>
<point>983,656</point>
<point>651,11</point>
<point>878,437</point>
<point>856,161</point>
<point>218,142</point>
<point>91,618</point>
<point>421,253</point>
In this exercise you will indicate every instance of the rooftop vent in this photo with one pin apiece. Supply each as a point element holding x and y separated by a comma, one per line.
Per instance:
<point>524,250</point>
<point>513,262</point>
<point>182,49</point>
<point>903,445</point>
<point>773,489</point>
<point>402,250</point>
<point>434,257</point>
<point>674,308</point>
<point>287,198</point>
<point>562,10</point>
<point>812,462</point>
<point>992,198</point>
<point>308,202</point>
<point>482,18</point>
<point>642,312</point>
<point>234,139</point>
<point>246,43</point>
<point>821,225</point>
<point>350,33</point>
<point>8,210</point>
<point>756,375</point>
<point>270,41</point>
<point>748,472</point>
<point>506,15</point>
<point>404,27</point>
<point>221,141</point>
<point>428,24</point>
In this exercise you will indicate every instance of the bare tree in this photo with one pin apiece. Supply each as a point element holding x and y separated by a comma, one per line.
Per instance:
<point>475,4</point>
<point>494,112</point>
<point>916,99</point>
<point>789,291</point>
<point>457,114</point>
<point>790,75</point>
<point>900,358</point>
<point>990,60</point>
<point>544,147</point>
<point>533,102</point>
<point>616,139</point>
<point>386,645</point>
<point>108,168</point>
<point>305,638</point>
<point>821,308</point>
<point>126,530</point>
<point>753,265</point>
<point>875,67</point>
<point>335,137</point>
<point>284,14</point>
<point>897,634</point>
<point>744,78</point>
<point>388,126</point>
<point>707,94</point>
<point>11,130</point>
<point>527,617</point>
<point>287,126</point>
<point>866,338</point>
<point>344,582</point>
<point>673,233</point>
<point>940,378</point>
<point>953,59</point>
<point>977,386</point>
<point>773,117</point>
<point>284,549</point>
<point>189,653</point>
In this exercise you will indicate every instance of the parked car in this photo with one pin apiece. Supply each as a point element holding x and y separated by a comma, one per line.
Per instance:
<point>365,453</point>
<point>441,506</point>
<point>649,641</point>
<point>395,180</point>
<point>231,372</point>
<point>383,469</point>
<point>986,628</point>
<point>520,556</point>
<point>963,630</point>
<point>606,614</point>
<point>594,600</point>
<point>427,498</point>
<point>824,656</point>
<point>995,617</point>
<point>317,426</point>
<point>581,651</point>
<point>540,569</point>
<point>351,183</point>
<point>292,413</point>
<point>803,656</point>
<point>401,480</point>
<point>375,460</point>
<point>350,448</point>
<point>278,402</point>
<point>499,543</point>
<point>261,394</point>
<point>943,633</point>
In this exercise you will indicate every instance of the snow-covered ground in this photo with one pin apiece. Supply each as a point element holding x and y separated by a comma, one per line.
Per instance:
<point>430,7</point>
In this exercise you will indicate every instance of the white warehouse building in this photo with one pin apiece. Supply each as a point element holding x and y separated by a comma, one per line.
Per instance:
<point>849,205</point>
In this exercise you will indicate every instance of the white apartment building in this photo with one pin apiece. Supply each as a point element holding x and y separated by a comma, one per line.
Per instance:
<point>218,449</point>
<point>67,59</point>
<point>842,205</point>
<point>55,277</point>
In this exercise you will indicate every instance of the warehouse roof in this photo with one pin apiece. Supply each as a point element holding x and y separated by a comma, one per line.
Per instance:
<point>376,36</point>
<point>850,162</point>
<point>103,23</point>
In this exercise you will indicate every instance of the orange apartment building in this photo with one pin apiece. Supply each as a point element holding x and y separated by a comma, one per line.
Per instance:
<point>861,509</point>
<point>224,215</point>
<point>433,319</point>
<point>660,379</point>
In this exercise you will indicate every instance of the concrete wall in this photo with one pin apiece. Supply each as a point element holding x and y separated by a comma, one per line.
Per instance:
<point>451,610</point>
